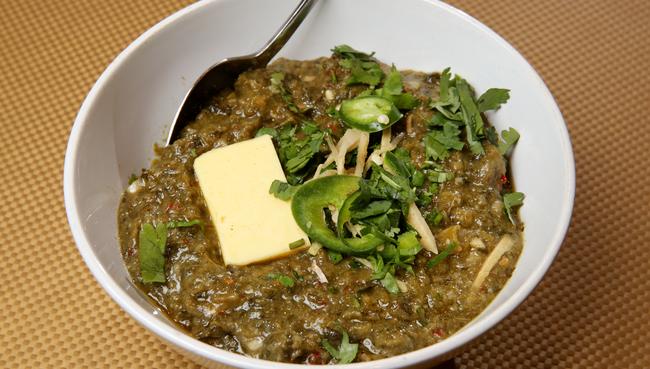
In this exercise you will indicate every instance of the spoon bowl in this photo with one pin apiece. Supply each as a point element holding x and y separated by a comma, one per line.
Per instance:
<point>224,73</point>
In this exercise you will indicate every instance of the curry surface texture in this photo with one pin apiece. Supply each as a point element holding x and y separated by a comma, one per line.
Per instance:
<point>241,310</point>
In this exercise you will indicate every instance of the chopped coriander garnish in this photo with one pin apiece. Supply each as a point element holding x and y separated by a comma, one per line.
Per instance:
<point>373,208</point>
<point>442,256</point>
<point>457,107</point>
<point>417,179</point>
<point>434,188</point>
<point>283,279</point>
<point>437,143</point>
<point>492,99</point>
<point>440,177</point>
<point>510,138</point>
<point>297,243</point>
<point>511,200</point>
<point>435,217</point>
<point>379,270</point>
<point>390,283</point>
<point>392,90</point>
<point>152,242</point>
<point>184,224</point>
<point>277,86</point>
<point>408,244</point>
<point>363,69</point>
<point>297,147</point>
<point>346,352</point>
<point>267,131</point>
<point>471,116</point>
<point>282,190</point>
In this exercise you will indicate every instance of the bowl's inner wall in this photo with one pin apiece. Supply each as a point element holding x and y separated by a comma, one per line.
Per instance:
<point>139,99</point>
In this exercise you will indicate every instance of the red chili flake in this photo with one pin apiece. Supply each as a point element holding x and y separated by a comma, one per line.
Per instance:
<point>171,206</point>
<point>334,127</point>
<point>439,332</point>
<point>229,281</point>
<point>314,358</point>
<point>504,179</point>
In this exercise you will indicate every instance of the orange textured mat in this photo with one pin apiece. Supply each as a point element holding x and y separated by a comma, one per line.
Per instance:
<point>591,311</point>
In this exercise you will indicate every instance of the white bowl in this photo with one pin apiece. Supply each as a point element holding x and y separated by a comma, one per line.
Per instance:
<point>131,105</point>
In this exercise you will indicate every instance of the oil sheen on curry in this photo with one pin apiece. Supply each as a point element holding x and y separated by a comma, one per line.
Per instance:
<point>328,211</point>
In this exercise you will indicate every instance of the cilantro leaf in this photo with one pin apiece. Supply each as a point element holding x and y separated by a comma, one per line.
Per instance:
<point>442,255</point>
<point>383,184</point>
<point>378,267</point>
<point>435,217</point>
<point>471,116</point>
<point>417,179</point>
<point>363,69</point>
<point>347,52</point>
<point>437,143</point>
<point>283,279</point>
<point>277,86</point>
<point>184,224</point>
<point>282,190</point>
<point>393,82</point>
<point>492,135</point>
<point>492,99</point>
<point>362,72</point>
<point>440,177</point>
<point>399,163</point>
<point>297,148</point>
<point>408,244</point>
<point>392,90</point>
<point>434,149</point>
<point>152,241</point>
<point>510,138</point>
<point>372,209</point>
<point>511,200</point>
<point>448,102</point>
<point>405,101</point>
<point>267,131</point>
<point>445,78</point>
<point>390,283</point>
<point>346,353</point>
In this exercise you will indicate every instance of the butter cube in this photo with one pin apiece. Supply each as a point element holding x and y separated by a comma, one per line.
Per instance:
<point>252,225</point>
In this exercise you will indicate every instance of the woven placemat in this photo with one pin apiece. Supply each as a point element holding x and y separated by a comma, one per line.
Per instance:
<point>591,311</point>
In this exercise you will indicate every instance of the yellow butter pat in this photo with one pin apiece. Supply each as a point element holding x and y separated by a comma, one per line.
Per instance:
<point>252,224</point>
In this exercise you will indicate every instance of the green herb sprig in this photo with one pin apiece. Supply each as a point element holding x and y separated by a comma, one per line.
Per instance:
<point>277,86</point>
<point>510,201</point>
<point>152,241</point>
<point>345,353</point>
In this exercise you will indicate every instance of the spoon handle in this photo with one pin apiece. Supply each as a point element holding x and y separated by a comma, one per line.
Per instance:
<point>284,33</point>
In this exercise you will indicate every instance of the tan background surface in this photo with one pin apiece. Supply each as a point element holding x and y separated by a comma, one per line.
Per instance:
<point>591,311</point>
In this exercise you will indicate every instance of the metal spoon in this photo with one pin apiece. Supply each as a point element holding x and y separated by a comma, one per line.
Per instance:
<point>224,73</point>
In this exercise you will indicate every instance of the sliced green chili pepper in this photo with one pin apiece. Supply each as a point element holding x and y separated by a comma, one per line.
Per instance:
<point>308,206</point>
<point>369,113</point>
